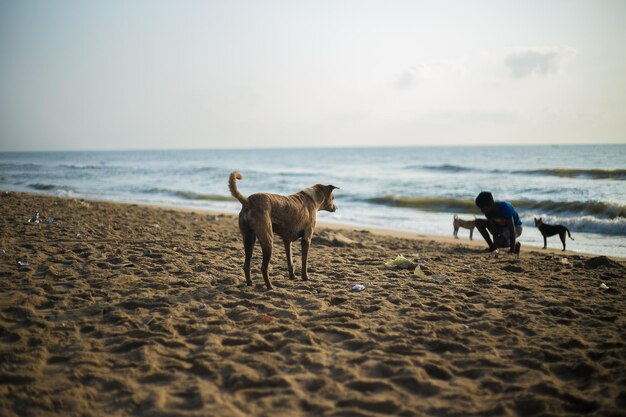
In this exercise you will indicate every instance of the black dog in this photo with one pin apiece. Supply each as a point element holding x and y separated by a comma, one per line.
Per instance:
<point>548,230</point>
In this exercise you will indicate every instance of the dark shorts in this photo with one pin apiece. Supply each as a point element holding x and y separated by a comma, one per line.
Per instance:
<point>503,238</point>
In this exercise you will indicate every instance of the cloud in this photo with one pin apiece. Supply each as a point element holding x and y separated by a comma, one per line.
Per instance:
<point>430,71</point>
<point>542,61</point>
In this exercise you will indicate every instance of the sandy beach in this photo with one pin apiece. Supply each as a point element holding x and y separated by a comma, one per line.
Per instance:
<point>119,309</point>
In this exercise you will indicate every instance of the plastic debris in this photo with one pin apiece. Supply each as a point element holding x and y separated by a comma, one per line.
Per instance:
<point>78,235</point>
<point>418,272</point>
<point>564,261</point>
<point>50,219</point>
<point>603,286</point>
<point>358,287</point>
<point>34,218</point>
<point>22,263</point>
<point>2,251</point>
<point>441,279</point>
<point>422,261</point>
<point>265,318</point>
<point>156,225</point>
<point>400,262</point>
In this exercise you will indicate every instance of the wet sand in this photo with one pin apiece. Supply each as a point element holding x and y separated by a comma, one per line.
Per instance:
<point>132,310</point>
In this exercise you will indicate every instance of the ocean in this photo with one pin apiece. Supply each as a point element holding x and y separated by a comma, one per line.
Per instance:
<point>415,189</point>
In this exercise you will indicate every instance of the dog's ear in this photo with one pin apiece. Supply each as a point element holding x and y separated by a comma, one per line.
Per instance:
<point>332,187</point>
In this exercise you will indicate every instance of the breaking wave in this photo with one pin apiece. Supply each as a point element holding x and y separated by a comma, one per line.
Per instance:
<point>190,195</point>
<point>51,187</point>
<point>585,224</point>
<point>443,204</point>
<point>596,174</point>
<point>450,168</point>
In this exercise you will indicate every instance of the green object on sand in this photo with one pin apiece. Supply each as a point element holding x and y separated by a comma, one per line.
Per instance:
<point>400,262</point>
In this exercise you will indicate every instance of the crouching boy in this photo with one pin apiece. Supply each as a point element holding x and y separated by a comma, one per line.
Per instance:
<point>502,222</point>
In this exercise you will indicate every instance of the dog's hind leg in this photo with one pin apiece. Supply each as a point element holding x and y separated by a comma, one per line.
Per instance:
<point>266,239</point>
<point>249,238</point>
<point>562,236</point>
<point>456,233</point>
<point>472,233</point>
<point>306,244</point>
<point>289,259</point>
<point>545,242</point>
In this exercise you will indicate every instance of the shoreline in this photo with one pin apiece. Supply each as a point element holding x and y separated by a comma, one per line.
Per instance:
<point>463,241</point>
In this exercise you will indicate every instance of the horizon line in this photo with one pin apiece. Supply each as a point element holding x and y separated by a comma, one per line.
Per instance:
<point>258,148</point>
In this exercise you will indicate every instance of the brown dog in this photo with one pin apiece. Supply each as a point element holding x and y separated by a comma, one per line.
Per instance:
<point>467,224</point>
<point>290,217</point>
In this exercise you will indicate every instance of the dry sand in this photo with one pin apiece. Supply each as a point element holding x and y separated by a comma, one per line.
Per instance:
<point>133,310</point>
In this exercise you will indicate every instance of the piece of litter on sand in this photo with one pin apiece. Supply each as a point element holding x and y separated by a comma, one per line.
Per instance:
<point>149,320</point>
<point>34,218</point>
<point>155,225</point>
<point>418,272</point>
<point>121,266</point>
<point>78,235</point>
<point>400,262</point>
<point>564,261</point>
<point>603,286</point>
<point>358,287</point>
<point>422,261</point>
<point>265,318</point>
<point>2,251</point>
<point>50,219</point>
<point>22,263</point>
<point>442,278</point>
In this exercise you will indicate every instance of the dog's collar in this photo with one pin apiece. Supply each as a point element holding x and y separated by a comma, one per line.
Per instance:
<point>311,192</point>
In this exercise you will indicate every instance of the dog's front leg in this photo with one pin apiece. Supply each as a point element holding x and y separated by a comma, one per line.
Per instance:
<point>289,259</point>
<point>306,243</point>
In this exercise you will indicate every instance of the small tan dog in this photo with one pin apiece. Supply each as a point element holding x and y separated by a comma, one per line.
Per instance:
<point>290,217</point>
<point>466,224</point>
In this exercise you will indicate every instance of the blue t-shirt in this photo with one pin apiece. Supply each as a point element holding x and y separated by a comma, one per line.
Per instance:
<point>504,211</point>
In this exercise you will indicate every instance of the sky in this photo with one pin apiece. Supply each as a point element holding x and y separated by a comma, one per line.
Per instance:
<point>149,74</point>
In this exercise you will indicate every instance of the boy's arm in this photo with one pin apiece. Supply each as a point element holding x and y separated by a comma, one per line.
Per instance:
<point>511,225</point>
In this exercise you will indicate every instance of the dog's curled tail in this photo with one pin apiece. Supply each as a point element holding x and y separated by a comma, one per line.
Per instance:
<point>569,234</point>
<point>232,185</point>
